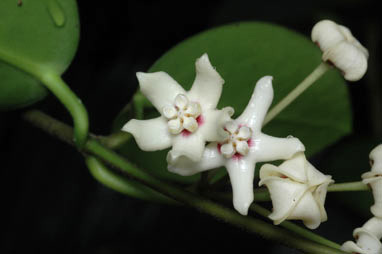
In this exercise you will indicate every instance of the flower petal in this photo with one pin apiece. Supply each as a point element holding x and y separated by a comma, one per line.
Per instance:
<point>376,185</point>
<point>211,159</point>
<point>241,173</point>
<point>150,135</point>
<point>351,247</point>
<point>374,226</point>
<point>320,195</point>
<point>295,168</point>
<point>268,148</point>
<point>213,122</point>
<point>367,241</point>
<point>349,59</point>
<point>254,113</point>
<point>208,84</point>
<point>327,34</point>
<point>308,211</point>
<point>159,88</point>
<point>376,158</point>
<point>285,195</point>
<point>189,145</point>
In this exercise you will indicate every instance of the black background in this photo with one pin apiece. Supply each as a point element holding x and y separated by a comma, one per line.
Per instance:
<point>51,202</point>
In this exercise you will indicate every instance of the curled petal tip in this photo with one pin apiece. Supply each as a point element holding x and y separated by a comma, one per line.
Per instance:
<point>242,208</point>
<point>265,82</point>
<point>141,76</point>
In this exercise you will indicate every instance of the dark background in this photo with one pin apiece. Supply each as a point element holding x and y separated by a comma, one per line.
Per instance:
<point>51,202</point>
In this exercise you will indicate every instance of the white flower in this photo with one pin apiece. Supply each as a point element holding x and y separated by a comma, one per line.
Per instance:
<point>245,146</point>
<point>374,179</point>
<point>188,118</point>
<point>368,238</point>
<point>341,48</point>
<point>298,191</point>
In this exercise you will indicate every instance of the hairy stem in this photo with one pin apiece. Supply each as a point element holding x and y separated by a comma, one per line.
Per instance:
<point>260,227</point>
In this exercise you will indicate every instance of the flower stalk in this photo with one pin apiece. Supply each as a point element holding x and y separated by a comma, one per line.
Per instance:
<point>297,91</point>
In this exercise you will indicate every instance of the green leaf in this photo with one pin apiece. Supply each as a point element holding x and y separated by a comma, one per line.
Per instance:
<point>36,37</point>
<point>243,53</point>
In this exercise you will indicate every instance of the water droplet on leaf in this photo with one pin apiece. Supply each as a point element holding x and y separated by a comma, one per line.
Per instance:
<point>56,12</point>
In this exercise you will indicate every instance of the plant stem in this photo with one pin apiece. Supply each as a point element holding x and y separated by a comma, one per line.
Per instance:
<point>115,140</point>
<point>59,88</point>
<point>73,104</point>
<point>307,82</point>
<point>351,186</point>
<point>262,194</point>
<point>260,227</point>
<point>123,184</point>
<point>296,229</point>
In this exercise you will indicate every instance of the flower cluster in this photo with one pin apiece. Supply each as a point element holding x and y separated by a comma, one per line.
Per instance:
<point>369,235</point>
<point>203,137</point>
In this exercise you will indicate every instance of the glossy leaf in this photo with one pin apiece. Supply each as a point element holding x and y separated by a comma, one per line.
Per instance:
<point>243,53</point>
<point>36,37</point>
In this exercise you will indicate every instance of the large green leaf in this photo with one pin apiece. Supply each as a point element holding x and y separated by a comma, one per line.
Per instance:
<point>36,37</point>
<point>243,53</point>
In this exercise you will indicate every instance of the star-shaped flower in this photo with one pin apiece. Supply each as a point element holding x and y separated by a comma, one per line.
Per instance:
<point>341,49</point>
<point>244,147</point>
<point>298,191</point>
<point>188,118</point>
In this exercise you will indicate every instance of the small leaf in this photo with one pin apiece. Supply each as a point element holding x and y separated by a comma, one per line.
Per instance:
<point>243,53</point>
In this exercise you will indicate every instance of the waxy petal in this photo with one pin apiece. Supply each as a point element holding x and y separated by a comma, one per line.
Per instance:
<point>376,159</point>
<point>208,84</point>
<point>374,226</point>
<point>268,148</point>
<point>285,195</point>
<point>150,135</point>
<point>327,34</point>
<point>212,122</point>
<point>190,145</point>
<point>254,114</point>
<point>368,238</point>
<point>159,88</point>
<point>211,159</point>
<point>308,211</point>
<point>241,173</point>
<point>349,59</point>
